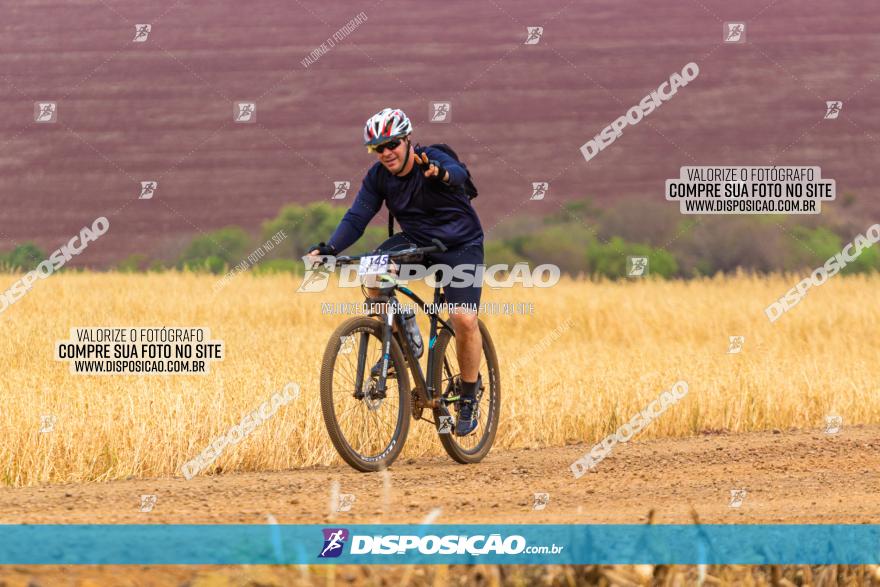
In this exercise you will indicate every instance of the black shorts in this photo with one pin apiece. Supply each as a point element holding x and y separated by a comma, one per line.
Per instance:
<point>470,255</point>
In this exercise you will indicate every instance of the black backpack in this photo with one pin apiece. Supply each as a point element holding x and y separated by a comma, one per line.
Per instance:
<point>469,188</point>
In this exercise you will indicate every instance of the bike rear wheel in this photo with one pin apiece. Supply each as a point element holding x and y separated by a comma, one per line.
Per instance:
<point>474,447</point>
<point>367,430</point>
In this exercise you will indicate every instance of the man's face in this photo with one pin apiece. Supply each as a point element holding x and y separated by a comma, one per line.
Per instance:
<point>393,159</point>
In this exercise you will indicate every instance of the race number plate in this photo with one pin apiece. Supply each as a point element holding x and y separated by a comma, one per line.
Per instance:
<point>373,265</point>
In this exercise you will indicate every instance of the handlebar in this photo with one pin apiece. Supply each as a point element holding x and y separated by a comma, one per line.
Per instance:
<point>410,254</point>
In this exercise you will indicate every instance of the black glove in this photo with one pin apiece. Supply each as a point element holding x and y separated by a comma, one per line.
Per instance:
<point>323,249</point>
<point>422,159</point>
<point>441,171</point>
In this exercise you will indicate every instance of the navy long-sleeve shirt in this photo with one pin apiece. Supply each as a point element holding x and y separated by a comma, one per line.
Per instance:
<point>425,208</point>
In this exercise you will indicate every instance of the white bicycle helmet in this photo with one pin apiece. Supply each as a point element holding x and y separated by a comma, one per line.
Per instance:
<point>390,123</point>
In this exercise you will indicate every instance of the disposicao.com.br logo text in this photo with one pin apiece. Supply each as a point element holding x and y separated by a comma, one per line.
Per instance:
<point>452,544</point>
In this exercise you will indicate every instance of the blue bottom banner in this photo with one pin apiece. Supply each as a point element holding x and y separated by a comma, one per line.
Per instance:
<point>529,544</point>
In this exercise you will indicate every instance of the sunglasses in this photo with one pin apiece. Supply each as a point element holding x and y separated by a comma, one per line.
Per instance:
<point>389,145</point>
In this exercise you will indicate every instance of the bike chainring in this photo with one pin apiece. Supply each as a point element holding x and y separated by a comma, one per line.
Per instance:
<point>417,408</point>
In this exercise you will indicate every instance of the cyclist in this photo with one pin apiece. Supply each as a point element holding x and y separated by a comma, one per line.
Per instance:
<point>423,188</point>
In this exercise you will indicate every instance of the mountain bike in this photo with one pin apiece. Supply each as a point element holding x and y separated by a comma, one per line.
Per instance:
<point>366,409</point>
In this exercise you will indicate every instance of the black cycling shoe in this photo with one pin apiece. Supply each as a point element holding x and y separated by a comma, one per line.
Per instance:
<point>468,407</point>
<point>467,416</point>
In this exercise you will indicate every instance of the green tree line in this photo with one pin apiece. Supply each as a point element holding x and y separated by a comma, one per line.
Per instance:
<point>581,238</point>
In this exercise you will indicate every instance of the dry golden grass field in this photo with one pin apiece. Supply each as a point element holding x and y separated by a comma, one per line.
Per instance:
<point>443,575</point>
<point>627,342</point>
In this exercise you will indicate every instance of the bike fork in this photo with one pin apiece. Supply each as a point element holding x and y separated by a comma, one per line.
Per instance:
<point>386,347</point>
<point>361,365</point>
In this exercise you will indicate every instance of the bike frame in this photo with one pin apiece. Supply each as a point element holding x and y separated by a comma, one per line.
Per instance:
<point>429,398</point>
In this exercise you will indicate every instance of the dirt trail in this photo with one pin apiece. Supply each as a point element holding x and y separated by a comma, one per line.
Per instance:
<point>789,476</point>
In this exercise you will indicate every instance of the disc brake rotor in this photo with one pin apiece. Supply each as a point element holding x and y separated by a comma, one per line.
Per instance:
<point>373,403</point>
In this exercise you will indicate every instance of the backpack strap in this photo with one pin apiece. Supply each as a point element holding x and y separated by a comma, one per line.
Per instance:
<point>469,188</point>
<point>384,195</point>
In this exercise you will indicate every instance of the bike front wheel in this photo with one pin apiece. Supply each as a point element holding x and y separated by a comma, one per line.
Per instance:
<point>368,428</point>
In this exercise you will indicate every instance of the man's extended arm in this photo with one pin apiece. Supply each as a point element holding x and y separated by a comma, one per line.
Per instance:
<point>445,164</point>
<point>352,226</point>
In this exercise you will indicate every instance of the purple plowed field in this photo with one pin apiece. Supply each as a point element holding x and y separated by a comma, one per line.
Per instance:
<point>162,110</point>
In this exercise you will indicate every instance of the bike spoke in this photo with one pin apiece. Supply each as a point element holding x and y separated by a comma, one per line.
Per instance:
<point>367,431</point>
<point>470,442</point>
